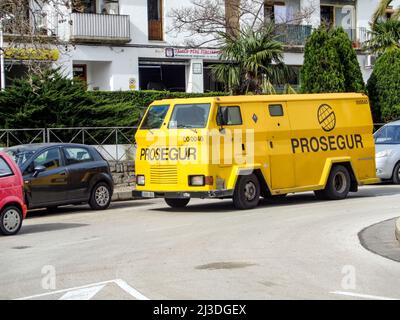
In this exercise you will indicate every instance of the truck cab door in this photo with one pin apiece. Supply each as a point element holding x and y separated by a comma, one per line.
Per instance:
<point>232,137</point>
<point>279,146</point>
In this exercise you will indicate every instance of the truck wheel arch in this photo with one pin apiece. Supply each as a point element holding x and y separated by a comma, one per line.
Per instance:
<point>264,187</point>
<point>331,163</point>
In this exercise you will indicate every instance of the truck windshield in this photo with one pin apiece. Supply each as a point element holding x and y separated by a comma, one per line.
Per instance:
<point>154,117</point>
<point>388,135</point>
<point>189,116</point>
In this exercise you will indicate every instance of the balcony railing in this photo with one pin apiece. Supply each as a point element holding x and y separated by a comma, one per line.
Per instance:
<point>89,27</point>
<point>293,35</point>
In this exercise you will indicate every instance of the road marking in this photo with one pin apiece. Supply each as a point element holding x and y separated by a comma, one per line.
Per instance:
<point>127,288</point>
<point>83,293</point>
<point>360,295</point>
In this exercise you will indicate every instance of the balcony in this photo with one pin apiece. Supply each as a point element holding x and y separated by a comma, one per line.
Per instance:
<point>292,35</point>
<point>100,28</point>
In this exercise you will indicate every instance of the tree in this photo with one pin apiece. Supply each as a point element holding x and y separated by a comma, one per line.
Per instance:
<point>212,21</point>
<point>330,63</point>
<point>384,86</point>
<point>30,30</point>
<point>254,62</point>
<point>385,31</point>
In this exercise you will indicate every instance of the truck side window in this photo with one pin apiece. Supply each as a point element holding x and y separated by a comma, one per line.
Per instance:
<point>229,116</point>
<point>275,110</point>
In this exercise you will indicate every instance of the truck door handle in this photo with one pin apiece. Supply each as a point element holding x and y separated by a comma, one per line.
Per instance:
<point>271,144</point>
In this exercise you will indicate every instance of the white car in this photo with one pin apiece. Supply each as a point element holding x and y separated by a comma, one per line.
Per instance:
<point>387,142</point>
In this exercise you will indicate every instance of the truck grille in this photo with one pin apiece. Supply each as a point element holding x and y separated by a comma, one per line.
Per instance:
<point>164,175</point>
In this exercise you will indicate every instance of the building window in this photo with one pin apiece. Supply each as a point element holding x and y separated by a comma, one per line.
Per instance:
<point>339,16</point>
<point>155,20</point>
<point>210,83</point>
<point>278,12</point>
<point>84,6</point>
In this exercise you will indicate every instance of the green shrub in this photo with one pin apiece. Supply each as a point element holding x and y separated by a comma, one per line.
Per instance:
<point>330,63</point>
<point>384,87</point>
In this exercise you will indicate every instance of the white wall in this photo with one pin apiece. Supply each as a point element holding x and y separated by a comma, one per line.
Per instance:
<point>111,67</point>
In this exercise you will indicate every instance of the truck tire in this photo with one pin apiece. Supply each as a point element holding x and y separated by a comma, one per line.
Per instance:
<point>338,185</point>
<point>101,196</point>
<point>396,174</point>
<point>177,203</point>
<point>247,192</point>
<point>10,220</point>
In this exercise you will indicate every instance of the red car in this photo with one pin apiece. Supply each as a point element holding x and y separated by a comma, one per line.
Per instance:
<point>12,204</point>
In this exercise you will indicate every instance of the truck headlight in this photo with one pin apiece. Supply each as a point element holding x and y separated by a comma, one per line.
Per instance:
<point>384,153</point>
<point>140,180</point>
<point>196,181</point>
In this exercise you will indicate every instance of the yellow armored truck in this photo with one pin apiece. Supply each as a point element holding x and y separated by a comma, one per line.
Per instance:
<point>247,147</point>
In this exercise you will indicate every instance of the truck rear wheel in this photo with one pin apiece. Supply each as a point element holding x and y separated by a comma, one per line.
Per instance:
<point>177,203</point>
<point>247,192</point>
<point>338,185</point>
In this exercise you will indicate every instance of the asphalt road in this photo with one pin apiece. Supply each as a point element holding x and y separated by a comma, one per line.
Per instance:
<point>296,248</point>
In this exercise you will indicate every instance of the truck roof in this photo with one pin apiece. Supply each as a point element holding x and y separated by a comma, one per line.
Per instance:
<point>266,98</point>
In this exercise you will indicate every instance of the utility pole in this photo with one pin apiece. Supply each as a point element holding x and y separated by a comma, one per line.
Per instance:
<point>2,77</point>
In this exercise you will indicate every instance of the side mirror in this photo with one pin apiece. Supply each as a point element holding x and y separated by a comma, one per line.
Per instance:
<point>38,170</point>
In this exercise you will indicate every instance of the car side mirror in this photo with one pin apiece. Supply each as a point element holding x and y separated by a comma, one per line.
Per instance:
<point>38,170</point>
<point>221,121</point>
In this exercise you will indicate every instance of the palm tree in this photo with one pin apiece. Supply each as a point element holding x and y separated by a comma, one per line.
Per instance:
<point>385,32</point>
<point>254,61</point>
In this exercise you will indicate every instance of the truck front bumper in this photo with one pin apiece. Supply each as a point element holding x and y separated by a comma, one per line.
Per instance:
<point>183,194</point>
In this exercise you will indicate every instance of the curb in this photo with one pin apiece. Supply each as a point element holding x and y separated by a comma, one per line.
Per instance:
<point>122,196</point>
<point>398,229</point>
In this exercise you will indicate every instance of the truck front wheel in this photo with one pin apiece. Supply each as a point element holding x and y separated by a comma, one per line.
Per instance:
<point>247,192</point>
<point>338,185</point>
<point>177,203</point>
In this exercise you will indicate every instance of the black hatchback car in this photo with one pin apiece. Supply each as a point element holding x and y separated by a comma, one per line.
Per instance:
<point>62,174</point>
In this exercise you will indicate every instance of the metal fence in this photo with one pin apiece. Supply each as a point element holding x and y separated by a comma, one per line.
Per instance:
<point>114,143</point>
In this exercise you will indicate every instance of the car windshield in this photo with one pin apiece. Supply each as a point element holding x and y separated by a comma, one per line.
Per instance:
<point>154,117</point>
<point>388,135</point>
<point>20,157</point>
<point>189,116</point>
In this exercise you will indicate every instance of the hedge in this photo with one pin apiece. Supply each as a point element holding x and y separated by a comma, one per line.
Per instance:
<point>54,101</point>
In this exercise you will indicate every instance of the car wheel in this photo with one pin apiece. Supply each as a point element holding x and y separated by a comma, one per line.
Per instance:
<point>396,174</point>
<point>10,220</point>
<point>101,196</point>
<point>247,192</point>
<point>338,185</point>
<point>177,203</point>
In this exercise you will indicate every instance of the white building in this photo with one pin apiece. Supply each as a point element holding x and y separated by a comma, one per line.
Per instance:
<point>124,44</point>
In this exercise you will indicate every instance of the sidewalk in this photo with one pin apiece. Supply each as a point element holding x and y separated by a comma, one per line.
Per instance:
<point>398,229</point>
<point>380,239</point>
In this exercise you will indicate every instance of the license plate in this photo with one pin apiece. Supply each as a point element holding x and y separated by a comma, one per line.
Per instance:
<point>147,194</point>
